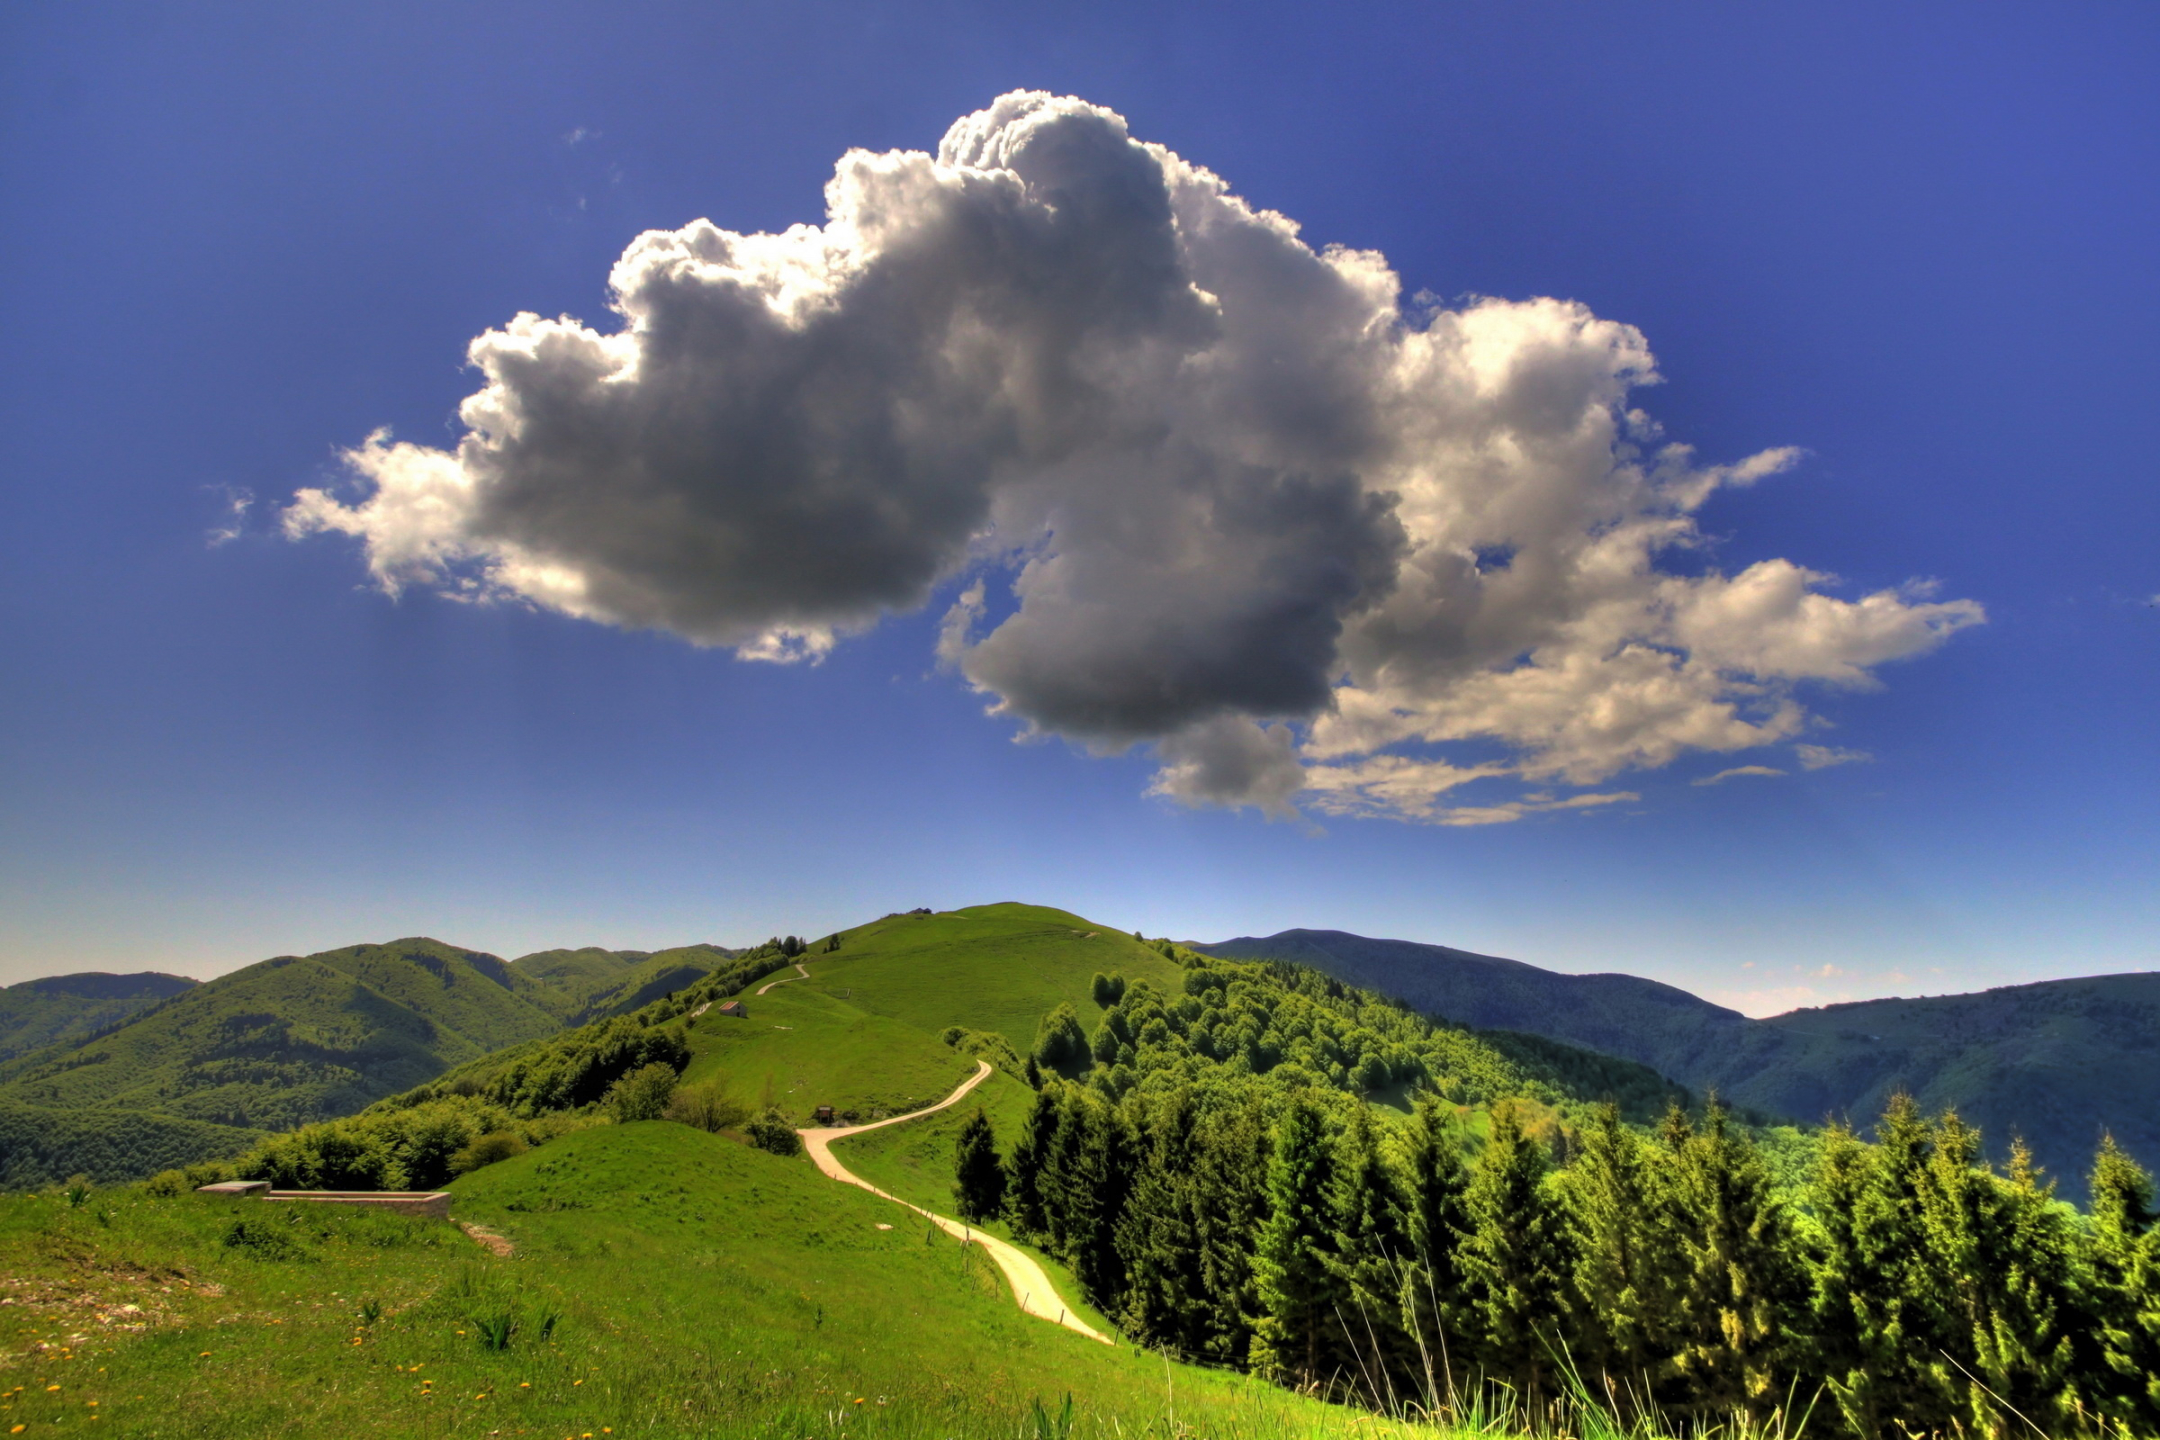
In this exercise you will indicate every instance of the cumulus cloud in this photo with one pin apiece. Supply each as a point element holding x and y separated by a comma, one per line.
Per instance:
<point>1736,772</point>
<point>1249,507</point>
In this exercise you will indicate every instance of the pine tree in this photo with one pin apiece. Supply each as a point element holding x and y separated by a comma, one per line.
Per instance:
<point>1433,1298</point>
<point>1024,1171</point>
<point>1230,1210</point>
<point>1297,1291</point>
<point>1741,1289</point>
<point>1106,1175</point>
<point>1158,1233</point>
<point>1627,1253</point>
<point>1369,1260</point>
<point>1872,1311</point>
<point>978,1177</point>
<point>2126,1290</point>
<point>2025,1306</point>
<point>1515,1260</point>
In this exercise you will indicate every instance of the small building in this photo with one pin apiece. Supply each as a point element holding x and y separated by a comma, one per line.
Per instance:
<point>824,1115</point>
<point>735,1008</point>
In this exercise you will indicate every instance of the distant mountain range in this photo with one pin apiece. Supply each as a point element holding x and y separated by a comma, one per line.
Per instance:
<point>2056,1062</point>
<point>60,1009</point>
<point>116,1072</point>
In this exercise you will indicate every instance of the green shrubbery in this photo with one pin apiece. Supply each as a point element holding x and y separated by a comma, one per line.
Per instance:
<point>706,1107</point>
<point>986,1045</point>
<point>643,1093</point>
<point>771,1131</point>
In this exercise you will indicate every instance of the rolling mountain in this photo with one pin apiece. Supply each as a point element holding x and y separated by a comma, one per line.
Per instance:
<point>2057,1062</point>
<point>115,1075</point>
<point>65,1008</point>
<point>293,1039</point>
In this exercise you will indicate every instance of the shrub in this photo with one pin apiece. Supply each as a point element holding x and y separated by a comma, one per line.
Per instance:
<point>771,1131</point>
<point>486,1150</point>
<point>1108,989</point>
<point>705,1107</point>
<point>1060,1042</point>
<point>643,1093</point>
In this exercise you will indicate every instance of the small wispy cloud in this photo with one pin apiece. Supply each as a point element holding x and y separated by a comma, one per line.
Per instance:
<point>1736,772</point>
<point>580,135</point>
<point>237,500</point>
<point>1822,757</point>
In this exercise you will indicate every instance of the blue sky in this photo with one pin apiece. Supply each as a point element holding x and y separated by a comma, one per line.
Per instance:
<point>1914,243</point>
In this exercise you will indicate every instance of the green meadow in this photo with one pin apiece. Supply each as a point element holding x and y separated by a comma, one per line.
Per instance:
<point>665,1282</point>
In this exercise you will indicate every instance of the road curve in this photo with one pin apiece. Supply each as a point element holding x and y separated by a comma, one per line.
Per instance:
<point>800,974</point>
<point>1030,1286</point>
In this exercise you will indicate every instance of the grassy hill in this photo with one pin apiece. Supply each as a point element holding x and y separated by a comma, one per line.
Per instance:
<point>2057,1063</point>
<point>997,968</point>
<point>697,1287</point>
<point>63,1009</point>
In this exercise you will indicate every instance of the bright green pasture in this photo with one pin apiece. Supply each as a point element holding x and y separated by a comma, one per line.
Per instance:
<point>698,1288</point>
<point>988,967</point>
<point>800,1048</point>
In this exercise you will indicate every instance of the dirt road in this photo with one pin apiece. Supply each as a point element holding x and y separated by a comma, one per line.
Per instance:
<point>800,974</point>
<point>1030,1286</point>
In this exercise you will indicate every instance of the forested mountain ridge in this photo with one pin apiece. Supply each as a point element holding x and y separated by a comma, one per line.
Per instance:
<point>58,1009</point>
<point>294,1038</point>
<point>2058,1063</point>
<point>172,1071</point>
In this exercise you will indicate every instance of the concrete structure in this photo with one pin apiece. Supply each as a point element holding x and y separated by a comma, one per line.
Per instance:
<point>737,1009</point>
<point>433,1204</point>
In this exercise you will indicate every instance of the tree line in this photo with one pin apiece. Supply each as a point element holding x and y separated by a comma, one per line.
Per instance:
<point>1908,1289</point>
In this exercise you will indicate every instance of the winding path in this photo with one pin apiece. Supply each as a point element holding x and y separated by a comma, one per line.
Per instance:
<point>800,974</point>
<point>1030,1286</point>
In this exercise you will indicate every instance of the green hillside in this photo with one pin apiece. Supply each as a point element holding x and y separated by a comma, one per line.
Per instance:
<point>998,968</point>
<point>1247,1163</point>
<point>65,1009</point>
<point>687,1286</point>
<point>645,981</point>
<point>277,1044</point>
<point>2058,1063</point>
<point>799,1048</point>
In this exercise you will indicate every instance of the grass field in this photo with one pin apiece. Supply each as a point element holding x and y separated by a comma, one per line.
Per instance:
<point>861,1033</point>
<point>988,967</point>
<point>800,1048</point>
<point>666,1283</point>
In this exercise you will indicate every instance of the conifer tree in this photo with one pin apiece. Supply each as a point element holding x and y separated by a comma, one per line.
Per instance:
<point>1230,1208</point>
<point>1369,1259</point>
<point>1740,1286</point>
<point>1158,1233</point>
<point>2126,1290</point>
<point>1433,1300</point>
<point>2022,1302</point>
<point>1627,1260</point>
<point>1515,1259</point>
<point>1083,1190</point>
<point>1872,1310</point>
<point>1031,1153</point>
<point>1297,1291</point>
<point>978,1176</point>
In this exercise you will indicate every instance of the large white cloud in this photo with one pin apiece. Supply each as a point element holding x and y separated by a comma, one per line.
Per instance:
<point>1249,509</point>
